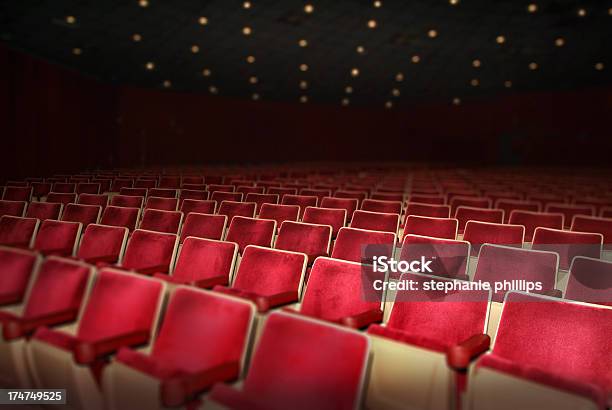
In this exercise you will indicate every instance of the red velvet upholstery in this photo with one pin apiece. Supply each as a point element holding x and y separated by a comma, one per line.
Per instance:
<point>301,200</point>
<point>465,213</point>
<point>149,252</point>
<point>192,179</point>
<point>603,226</point>
<point>12,208</point>
<point>268,277</point>
<point>279,213</point>
<point>376,205</point>
<point>336,218</point>
<point>161,221</point>
<point>64,188</point>
<point>501,263</point>
<point>16,267</point>
<point>170,182</point>
<point>163,204</point>
<point>508,205</point>
<point>429,226</point>
<point>121,311</point>
<point>350,194</point>
<point>312,239</point>
<point>250,189</point>
<point>127,201</point>
<point>261,199</point>
<point>590,280</point>
<point>341,203</point>
<point>335,293</point>
<point>352,244</point>
<point>55,297</point>
<point>427,199</point>
<point>472,202</point>
<point>569,211</point>
<point>449,258</point>
<point>204,226</point>
<point>120,216</point>
<point>44,210</point>
<point>163,193</point>
<point>198,206</point>
<point>231,209</point>
<point>16,231</point>
<point>88,188</point>
<point>14,193</point>
<point>102,243</point>
<point>564,345</point>
<point>309,382</point>
<point>532,220</point>
<point>119,183</point>
<point>567,244</point>
<point>40,189</point>
<point>319,193</point>
<point>250,231</point>
<point>105,184</point>
<point>93,199</point>
<point>145,183</point>
<point>85,214</point>
<point>221,188</point>
<point>606,212</point>
<point>57,237</point>
<point>375,221</point>
<point>226,196</point>
<point>281,192</point>
<point>133,192</point>
<point>61,198</point>
<point>199,195</point>
<point>202,333</point>
<point>387,196</point>
<point>203,263</point>
<point>477,233</point>
<point>433,211</point>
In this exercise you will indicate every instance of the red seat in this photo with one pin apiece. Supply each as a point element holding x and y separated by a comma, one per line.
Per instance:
<point>336,218</point>
<point>387,196</point>
<point>311,239</point>
<point>64,188</point>
<point>508,205</point>
<point>350,204</point>
<point>57,238</point>
<point>18,232</point>
<point>281,192</point>
<point>93,199</point>
<point>250,189</point>
<point>279,213</point>
<point>161,221</point>
<point>468,201</point>
<point>221,188</point>
<point>150,252</point>
<point>603,226</point>
<point>163,193</point>
<point>376,205</point>
<point>192,179</point>
<point>532,220</point>
<point>143,192</point>
<point>590,280</point>
<point>203,340</point>
<point>12,208</point>
<point>449,258</point>
<point>427,199</point>
<point>429,226</point>
<point>44,210</point>
<point>17,267</point>
<point>300,200</point>
<point>375,221</point>
<point>308,383</point>
<point>88,188</point>
<point>250,231</point>
<point>268,277</point>
<point>61,198</point>
<point>358,195</point>
<point>568,244</point>
<point>204,226</point>
<point>199,195</point>
<point>170,182</point>
<point>14,193</point>
<point>433,211</point>
<point>359,245</point>
<point>261,199</point>
<point>40,189</point>
<point>220,196</point>
<point>145,183</point>
<point>127,201</point>
<point>466,213</point>
<point>231,209</point>
<point>163,204</point>
<point>119,183</point>
<point>199,206</point>
<point>103,243</point>
<point>319,193</point>
<point>478,233</point>
<point>85,214</point>
<point>120,216</point>
<point>569,211</point>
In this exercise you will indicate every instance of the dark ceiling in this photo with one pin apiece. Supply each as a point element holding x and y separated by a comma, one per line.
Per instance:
<point>96,37</point>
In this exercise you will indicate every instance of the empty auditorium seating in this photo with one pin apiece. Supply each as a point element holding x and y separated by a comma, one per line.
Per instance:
<point>170,182</point>
<point>308,383</point>
<point>163,193</point>
<point>200,195</point>
<point>221,188</point>
<point>376,205</point>
<point>465,213</point>
<point>311,239</point>
<point>478,233</point>
<point>358,195</point>
<point>250,189</point>
<point>359,245</point>
<point>250,231</point>
<point>336,218</point>
<point>127,201</point>
<point>375,221</point>
<point>569,211</point>
<point>13,193</point>
<point>93,199</point>
<point>199,206</point>
<point>145,183</point>
<point>427,199</point>
<point>433,211</point>
<point>341,203</point>
<point>568,244</point>
<point>12,208</point>
<point>430,226</point>
<point>509,205</point>
<point>120,216</point>
<point>204,226</point>
<point>467,201</point>
<point>549,353</point>
<point>18,232</point>
<point>220,196</point>
<point>164,204</point>
<point>40,189</point>
<point>61,197</point>
<point>88,188</point>
<point>85,214</point>
<point>57,237</point>
<point>319,193</point>
<point>281,192</point>
<point>133,192</point>
<point>150,252</point>
<point>279,213</point>
<point>16,267</point>
<point>161,221</point>
<point>102,243</point>
<point>387,196</point>
<point>64,188</point>
<point>590,280</point>
<point>302,201</point>
<point>189,355</point>
<point>449,258</point>
<point>231,209</point>
<point>119,183</point>
<point>532,220</point>
<point>603,226</point>
<point>261,199</point>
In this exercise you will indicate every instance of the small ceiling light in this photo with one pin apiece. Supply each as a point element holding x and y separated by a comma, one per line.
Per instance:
<point>378,4</point>
<point>203,21</point>
<point>303,43</point>
<point>250,59</point>
<point>247,31</point>
<point>360,49</point>
<point>474,82</point>
<point>213,89</point>
<point>255,96</point>
<point>143,3</point>
<point>395,92</point>
<point>508,84</point>
<point>582,12</point>
<point>303,67</point>
<point>345,101</point>
<point>476,63</point>
<point>77,51</point>
<point>533,66</point>
<point>206,72</point>
<point>354,72</point>
<point>599,66</point>
<point>253,79</point>
<point>246,5</point>
<point>308,8</point>
<point>415,59</point>
<point>70,19</point>
<point>453,2</point>
<point>432,33</point>
<point>500,39</point>
<point>167,84</point>
<point>303,84</point>
<point>150,65</point>
<point>399,77</point>
<point>195,49</point>
<point>372,23</point>
<point>610,11</point>
<point>303,99</point>
<point>137,37</point>
<point>456,101</point>
<point>348,89</point>
<point>388,104</point>
<point>560,42</point>
<point>532,8</point>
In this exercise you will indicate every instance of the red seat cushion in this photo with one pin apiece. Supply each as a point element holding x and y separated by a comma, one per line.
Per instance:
<point>311,239</point>
<point>16,267</point>
<point>57,237</point>
<point>249,231</point>
<point>429,226</point>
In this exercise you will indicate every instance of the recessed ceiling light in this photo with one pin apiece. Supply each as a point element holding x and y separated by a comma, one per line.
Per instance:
<point>354,72</point>
<point>360,49</point>
<point>345,101</point>
<point>500,39</point>
<point>372,23</point>
<point>599,66</point>
<point>70,19</point>
<point>432,33</point>
<point>508,84</point>
<point>203,21</point>
<point>303,84</point>
<point>348,89</point>
<point>560,42</point>
<point>247,31</point>
<point>250,59</point>
<point>246,5</point>
<point>206,72</point>
<point>399,77</point>
<point>213,89</point>
<point>395,92</point>
<point>308,8</point>
<point>150,65</point>
<point>303,67</point>
<point>388,104</point>
<point>255,96</point>
<point>533,66</point>
<point>137,37</point>
<point>532,8</point>
<point>167,84</point>
<point>476,63</point>
<point>456,101</point>
<point>143,3</point>
<point>303,99</point>
<point>378,4</point>
<point>303,43</point>
<point>253,79</point>
<point>474,82</point>
<point>77,51</point>
<point>453,2</point>
<point>415,59</point>
<point>582,12</point>
<point>195,49</point>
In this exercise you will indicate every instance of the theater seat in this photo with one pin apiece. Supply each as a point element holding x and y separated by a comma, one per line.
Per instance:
<point>568,244</point>
<point>40,189</point>
<point>203,263</point>
<point>150,252</point>
<point>203,340</point>
<point>427,199</point>
<point>221,188</point>
<point>231,209</point>
<point>349,204</point>
<point>590,280</point>
<point>445,228</point>
<point>54,299</point>
<point>206,226</point>
<point>376,205</point>
<point>569,211</point>
<point>279,213</point>
<point>61,198</point>
<point>58,238</point>
<point>281,192</point>
<point>226,196</point>
<point>261,199</point>
<point>302,201</point>
<point>319,193</point>
<point>250,231</point>
<point>88,188</point>
<point>127,201</point>
<point>532,220</point>
<point>18,232</point>
<point>422,353</point>
<point>246,189</point>
<point>465,213</point>
<point>508,205</point>
<point>360,245</point>
<point>336,218</point>
<point>433,211</point>
<point>16,269</point>
<point>142,192</point>
<point>14,193</point>
<point>103,243</point>
<point>163,193</point>
<point>161,221</point>
<point>548,354</point>
<point>268,277</point>
<point>198,206</point>
<point>64,188</point>
<point>375,221</point>
<point>311,239</point>
<point>163,204</point>
<point>121,311</point>
<point>170,182</point>
<point>44,210</point>
<point>478,233</point>
<point>468,201</point>
<point>12,208</point>
<point>85,214</point>
<point>93,199</point>
<point>603,226</point>
<point>193,194</point>
<point>120,216</point>
<point>309,382</point>
<point>449,258</point>
<point>119,183</point>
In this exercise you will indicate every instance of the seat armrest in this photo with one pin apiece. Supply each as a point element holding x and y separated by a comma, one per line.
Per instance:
<point>150,270</point>
<point>265,303</point>
<point>20,327</point>
<point>460,355</point>
<point>209,283</point>
<point>229,397</point>
<point>88,352</point>
<point>363,319</point>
